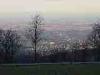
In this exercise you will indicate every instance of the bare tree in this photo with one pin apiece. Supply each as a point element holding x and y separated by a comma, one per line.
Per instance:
<point>34,33</point>
<point>1,46</point>
<point>94,40</point>
<point>94,37</point>
<point>74,46</point>
<point>10,43</point>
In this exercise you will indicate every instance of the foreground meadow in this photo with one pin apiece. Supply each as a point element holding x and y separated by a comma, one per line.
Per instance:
<point>50,69</point>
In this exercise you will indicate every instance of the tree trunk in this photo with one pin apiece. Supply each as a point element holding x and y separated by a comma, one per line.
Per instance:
<point>35,57</point>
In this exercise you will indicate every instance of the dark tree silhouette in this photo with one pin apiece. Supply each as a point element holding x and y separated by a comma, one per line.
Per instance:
<point>94,37</point>
<point>10,44</point>
<point>74,46</point>
<point>94,40</point>
<point>34,33</point>
<point>1,46</point>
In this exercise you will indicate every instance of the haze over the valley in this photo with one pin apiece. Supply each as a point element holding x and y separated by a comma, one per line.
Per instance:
<point>57,14</point>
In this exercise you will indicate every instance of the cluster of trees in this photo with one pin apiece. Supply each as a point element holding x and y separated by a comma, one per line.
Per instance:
<point>10,46</point>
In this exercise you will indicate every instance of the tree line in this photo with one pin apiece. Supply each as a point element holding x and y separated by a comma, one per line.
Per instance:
<point>87,50</point>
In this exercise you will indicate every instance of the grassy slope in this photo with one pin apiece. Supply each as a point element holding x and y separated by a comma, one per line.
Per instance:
<point>51,69</point>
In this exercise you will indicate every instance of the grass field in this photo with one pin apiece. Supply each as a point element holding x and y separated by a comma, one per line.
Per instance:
<point>50,69</point>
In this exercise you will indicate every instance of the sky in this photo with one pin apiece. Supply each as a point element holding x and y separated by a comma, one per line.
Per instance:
<point>58,9</point>
<point>50,6</point>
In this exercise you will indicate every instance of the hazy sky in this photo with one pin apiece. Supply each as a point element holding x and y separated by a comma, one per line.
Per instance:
<point>50,7</point>
<point>61,13</point>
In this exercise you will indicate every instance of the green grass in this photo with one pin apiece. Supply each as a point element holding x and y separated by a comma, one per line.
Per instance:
<point>51,69</point>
